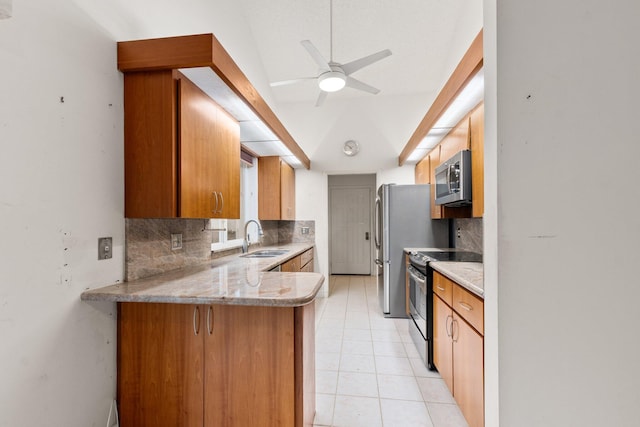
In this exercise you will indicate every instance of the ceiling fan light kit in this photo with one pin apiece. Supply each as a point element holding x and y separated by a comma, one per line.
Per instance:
<point>332,81</point>
<point>334,76</point>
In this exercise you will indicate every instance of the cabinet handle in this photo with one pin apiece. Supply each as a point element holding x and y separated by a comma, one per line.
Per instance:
<point>446,325</point>
<point>465,306</point>
<point>453,337</point>
<point>210,320</point>
<point>221,203</point>
<point>440,288</point>
<point>215,207</point>
<point>196,320</point>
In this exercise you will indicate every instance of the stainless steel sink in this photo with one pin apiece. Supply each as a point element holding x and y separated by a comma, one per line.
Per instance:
<point>266,253</point>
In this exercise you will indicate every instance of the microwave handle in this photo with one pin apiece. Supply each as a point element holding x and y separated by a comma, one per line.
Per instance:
<point>449,167</point>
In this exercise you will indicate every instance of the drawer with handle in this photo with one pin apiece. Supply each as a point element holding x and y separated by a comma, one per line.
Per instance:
<point>469,307</point>
<point>443,287</point>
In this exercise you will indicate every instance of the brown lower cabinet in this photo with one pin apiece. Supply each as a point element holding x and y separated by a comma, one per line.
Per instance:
<point>215,365</point>
<point>302,262</point>
<point>458,346</point>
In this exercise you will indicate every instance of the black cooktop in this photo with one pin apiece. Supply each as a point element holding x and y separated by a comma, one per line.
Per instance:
<point>422,258</point>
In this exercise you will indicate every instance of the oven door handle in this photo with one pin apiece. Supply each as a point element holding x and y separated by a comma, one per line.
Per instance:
<point>417,276</point>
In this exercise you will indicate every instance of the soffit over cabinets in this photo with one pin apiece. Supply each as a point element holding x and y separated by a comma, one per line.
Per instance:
<point>204,61</point>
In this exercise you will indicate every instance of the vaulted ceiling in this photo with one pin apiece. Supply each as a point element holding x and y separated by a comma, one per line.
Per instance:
<point>427,39</point>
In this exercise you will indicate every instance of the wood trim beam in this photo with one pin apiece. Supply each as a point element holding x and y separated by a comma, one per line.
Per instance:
<point>468,66</point>
<point>204,50</point>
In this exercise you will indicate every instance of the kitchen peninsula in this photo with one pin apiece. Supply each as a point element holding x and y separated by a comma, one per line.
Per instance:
<point>225,343</point>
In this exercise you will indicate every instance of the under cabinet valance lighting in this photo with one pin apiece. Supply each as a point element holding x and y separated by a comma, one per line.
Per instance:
<point>470,96</point>
<point>5,9</point>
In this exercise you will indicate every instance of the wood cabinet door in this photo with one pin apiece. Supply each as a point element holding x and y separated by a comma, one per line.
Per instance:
<point>434,162</point>
<point>160,365</point>
<point>198,158</point>
<point>227,176</point>
<point>150,147</point>
<point>291,265</point>
<point>477,161</point>
<point>287,192</point>
<point>468,366</point>
<point>209,165</point>
<point>442,344</point>
<point>423,171</point>
<point>249,366</point>
<point>456,140</point>
<point>269,188</point>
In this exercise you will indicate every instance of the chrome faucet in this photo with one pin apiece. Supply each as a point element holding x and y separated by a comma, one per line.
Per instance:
<point>245,242</point>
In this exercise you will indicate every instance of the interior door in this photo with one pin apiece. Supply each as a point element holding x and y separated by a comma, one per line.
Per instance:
<point>350,216</point>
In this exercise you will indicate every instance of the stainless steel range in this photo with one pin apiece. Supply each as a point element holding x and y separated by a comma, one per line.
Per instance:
<point>421,295</point>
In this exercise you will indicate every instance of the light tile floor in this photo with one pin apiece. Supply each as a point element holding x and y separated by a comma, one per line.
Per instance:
<point>368,371</point>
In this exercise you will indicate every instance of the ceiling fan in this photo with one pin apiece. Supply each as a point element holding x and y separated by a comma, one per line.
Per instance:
<point>333,76</point>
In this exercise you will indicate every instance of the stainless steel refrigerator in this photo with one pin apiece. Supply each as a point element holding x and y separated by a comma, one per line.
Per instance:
<point>402,220</point>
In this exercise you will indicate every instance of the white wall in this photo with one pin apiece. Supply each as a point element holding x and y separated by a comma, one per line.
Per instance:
<point>402,175</point>
<point>567,152</point>
<point>61,189</point>
<point>312,201</point>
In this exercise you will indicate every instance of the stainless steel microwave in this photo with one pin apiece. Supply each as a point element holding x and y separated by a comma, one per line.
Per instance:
<point>453,180</point>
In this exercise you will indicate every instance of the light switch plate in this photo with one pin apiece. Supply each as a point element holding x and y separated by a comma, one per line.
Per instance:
<point>105,248</point>
<point>176,241</point>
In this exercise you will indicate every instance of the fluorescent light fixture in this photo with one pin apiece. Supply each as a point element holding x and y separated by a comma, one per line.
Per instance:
<point>268,148</point>
<point>332,81</point>
<point>470,96</point>
<point>418,154</point>
<point>5,9</point>
<point>293,162</point>
<point>255,131</point>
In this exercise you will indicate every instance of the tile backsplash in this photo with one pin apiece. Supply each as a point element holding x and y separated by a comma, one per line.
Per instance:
<point>280,232</point>
<point>470,232</point>
<point>148,243</point>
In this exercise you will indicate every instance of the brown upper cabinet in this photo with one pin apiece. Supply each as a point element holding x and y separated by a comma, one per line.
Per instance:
<point>276,189</point>
<point>477,161</point>
<point>182,150</point>
<point>467,135</point>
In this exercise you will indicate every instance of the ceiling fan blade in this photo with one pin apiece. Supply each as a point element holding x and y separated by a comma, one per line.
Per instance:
<point>321,98</point>
<point>353,66</point>
<point>357,84</point>
<point>288,82</point>
<point>316,55</point>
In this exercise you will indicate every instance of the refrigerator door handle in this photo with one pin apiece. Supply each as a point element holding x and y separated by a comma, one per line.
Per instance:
<point>376,223</point>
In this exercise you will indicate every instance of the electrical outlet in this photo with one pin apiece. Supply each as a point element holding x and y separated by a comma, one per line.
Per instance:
<point>105,248</point>
<point>458,233</point>
<point>176,241</point>
<point>305,230</point>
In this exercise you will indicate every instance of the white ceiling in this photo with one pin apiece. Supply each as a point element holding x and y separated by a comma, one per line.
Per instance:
<point>427,39</point>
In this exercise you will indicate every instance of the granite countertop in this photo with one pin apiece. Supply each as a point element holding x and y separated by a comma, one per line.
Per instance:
<point>229,280</point>
<point>469,275</point>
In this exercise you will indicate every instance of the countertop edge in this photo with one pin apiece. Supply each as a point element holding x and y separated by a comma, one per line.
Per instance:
<point>262,302</point>
<point>444,267</point>
<point>109,293</point>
